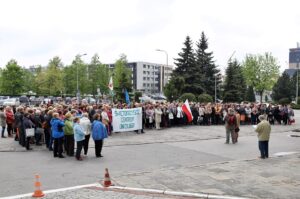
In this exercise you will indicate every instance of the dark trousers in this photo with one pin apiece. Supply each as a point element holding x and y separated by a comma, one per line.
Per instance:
<point>86,144</point>
<point>69,144</point>
<point>98,147</point>
<point>264,148</point>
<point>9,129</point>
<point>79,148</point>
<point>3,129</point>
<point>58,146</point>
<point>22,139</point>
<point>27,145</point>
<point>47,137</point>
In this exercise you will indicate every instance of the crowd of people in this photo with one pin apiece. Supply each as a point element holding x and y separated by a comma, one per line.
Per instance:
<point>61,126</point>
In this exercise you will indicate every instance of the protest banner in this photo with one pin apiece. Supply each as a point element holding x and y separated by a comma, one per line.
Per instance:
<point>127,119</point>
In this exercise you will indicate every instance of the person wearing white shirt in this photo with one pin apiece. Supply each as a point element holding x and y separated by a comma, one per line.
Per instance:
<point>86,125</point>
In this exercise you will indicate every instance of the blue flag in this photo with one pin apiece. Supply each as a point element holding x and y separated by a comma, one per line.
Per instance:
<point>127,97</point>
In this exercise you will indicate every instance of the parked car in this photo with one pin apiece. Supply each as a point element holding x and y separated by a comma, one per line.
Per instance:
<point>12,102</point>
<point>2,99</point>
<point>24,100</point>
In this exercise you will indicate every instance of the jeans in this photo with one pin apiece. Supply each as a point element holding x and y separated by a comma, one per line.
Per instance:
<point>3,129</point>
<point>263,148</point>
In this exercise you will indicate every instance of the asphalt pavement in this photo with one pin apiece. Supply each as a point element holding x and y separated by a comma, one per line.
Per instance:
<point>188,159</point>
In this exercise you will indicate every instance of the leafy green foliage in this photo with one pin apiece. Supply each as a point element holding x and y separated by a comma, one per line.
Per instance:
<point>205,98</point>
<point>284,101</point>
<point>174,88</point>
<point>137,95</point>
<point>187,96</point>
<point>283,88</point>
<point>121,77</point>
<point>12,79</point>
<point>261,72</point>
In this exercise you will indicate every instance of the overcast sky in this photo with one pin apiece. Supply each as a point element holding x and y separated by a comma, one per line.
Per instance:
<point>34,31</point>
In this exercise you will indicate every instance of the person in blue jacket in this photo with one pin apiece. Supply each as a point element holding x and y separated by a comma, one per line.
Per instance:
<point>99,133</point>
<point>58,135</point>
<point>79,137</point>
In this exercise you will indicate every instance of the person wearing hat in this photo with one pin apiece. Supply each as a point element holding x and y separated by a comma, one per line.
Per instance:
<point>263,129</point>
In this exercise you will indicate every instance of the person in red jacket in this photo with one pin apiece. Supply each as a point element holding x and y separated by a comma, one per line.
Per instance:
<point>10,119</point>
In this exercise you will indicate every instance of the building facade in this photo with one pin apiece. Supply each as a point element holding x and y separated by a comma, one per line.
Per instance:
<point>148,77</point>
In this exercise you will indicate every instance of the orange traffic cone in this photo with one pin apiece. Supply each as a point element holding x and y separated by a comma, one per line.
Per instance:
<point>38,193</point>
<point>107,181</point>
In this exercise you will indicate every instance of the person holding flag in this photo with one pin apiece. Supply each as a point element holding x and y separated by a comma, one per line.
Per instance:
<point>187,111</point>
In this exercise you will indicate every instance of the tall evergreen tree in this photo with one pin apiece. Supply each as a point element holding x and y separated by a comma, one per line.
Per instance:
<point>206,67</point>
<point>186,67</point>
<point>234,87</point>
<point>250,96</point>
<point>283,88</point>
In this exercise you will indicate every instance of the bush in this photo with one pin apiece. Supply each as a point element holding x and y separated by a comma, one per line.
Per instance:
<point>296,106</point>
<point>204,98</point>
<point>137,95</point>
<point>284,101</point>
<point>190,96</point>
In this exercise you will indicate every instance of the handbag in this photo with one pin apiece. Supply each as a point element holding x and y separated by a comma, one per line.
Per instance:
<point>39,130</point>
<point>237,129</point>
<point>29,132</point>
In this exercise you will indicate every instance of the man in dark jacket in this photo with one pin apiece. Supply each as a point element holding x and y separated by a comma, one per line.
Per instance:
<point>19,124</point>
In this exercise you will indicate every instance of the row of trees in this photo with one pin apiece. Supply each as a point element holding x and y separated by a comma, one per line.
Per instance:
<point>57,79</point>
<point>197,73</point>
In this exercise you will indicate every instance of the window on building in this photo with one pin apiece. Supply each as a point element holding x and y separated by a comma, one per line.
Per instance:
<point>144,66</point>
<point>148,72</point>
<point>148,66</point>
<point>148,78</point>
<point>144,78</point>
<point>144,84</point>
<point>148,85</point>
<point>144,72</point>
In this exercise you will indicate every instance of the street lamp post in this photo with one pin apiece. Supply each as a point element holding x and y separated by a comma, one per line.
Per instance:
<point>78,92</point>
<point>161,75</point>
<point>297,83</point>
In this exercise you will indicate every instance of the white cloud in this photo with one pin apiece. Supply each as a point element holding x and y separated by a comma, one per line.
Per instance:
<point>34,31</point>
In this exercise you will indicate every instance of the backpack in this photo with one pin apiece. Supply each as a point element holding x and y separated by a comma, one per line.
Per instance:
<point>231,120</point>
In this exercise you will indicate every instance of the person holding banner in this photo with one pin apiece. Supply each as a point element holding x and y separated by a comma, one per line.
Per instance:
<point>99,133</point>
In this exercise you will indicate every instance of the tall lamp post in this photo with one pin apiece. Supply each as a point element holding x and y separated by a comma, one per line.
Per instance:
<point>77,81</point>
<point>167,59</point>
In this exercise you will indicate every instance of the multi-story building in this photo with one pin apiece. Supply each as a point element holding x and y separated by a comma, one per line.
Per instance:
<point>148,77</point>
<point>294,60</point>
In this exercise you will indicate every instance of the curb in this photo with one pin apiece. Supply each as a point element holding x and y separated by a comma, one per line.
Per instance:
<point>176,193</point>
<point>112,188</point>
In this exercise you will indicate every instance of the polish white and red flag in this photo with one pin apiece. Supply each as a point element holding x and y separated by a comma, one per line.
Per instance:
<point>110,84</point>
<point>186,109</point>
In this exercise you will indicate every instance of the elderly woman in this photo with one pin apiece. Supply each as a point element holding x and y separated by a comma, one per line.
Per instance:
<point>263,130</point>
<point>2,121</point>
<point>79,136</point>
<point>99,133</point>
<point>10,119</point>
<point>69,135</point>
<point>58,135</point>
<point>158,114</point>
<point>86,125</point>
<point>230,125</point>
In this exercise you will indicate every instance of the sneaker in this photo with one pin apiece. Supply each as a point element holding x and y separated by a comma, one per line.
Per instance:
<point>3,136</point>
<point>61,156</point>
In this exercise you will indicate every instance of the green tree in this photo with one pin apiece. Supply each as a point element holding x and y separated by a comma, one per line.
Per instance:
<point>121,77</point>
<point>204,98</point>
<point>234,86</point>
<point>187,96</point>
<point>283,88</point>
<point>174,88</point>
<point>12,79</point>
<point>261,72</point>
<point>207,71</point>
<point>50,80</point>
<point>29,81</point>
<point>98,76</point>
<point>186,68</point>
<point>250,96</point>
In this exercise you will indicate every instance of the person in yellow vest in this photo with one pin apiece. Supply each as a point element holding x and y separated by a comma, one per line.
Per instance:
<point>263,130</point>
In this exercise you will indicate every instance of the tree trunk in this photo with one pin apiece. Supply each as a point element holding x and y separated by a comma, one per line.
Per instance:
<point>261,95</point>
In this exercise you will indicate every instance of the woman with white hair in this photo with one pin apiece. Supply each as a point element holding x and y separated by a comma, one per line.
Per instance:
<point>263,130</point>
<point>86,125</point>
<point>230,125</point>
